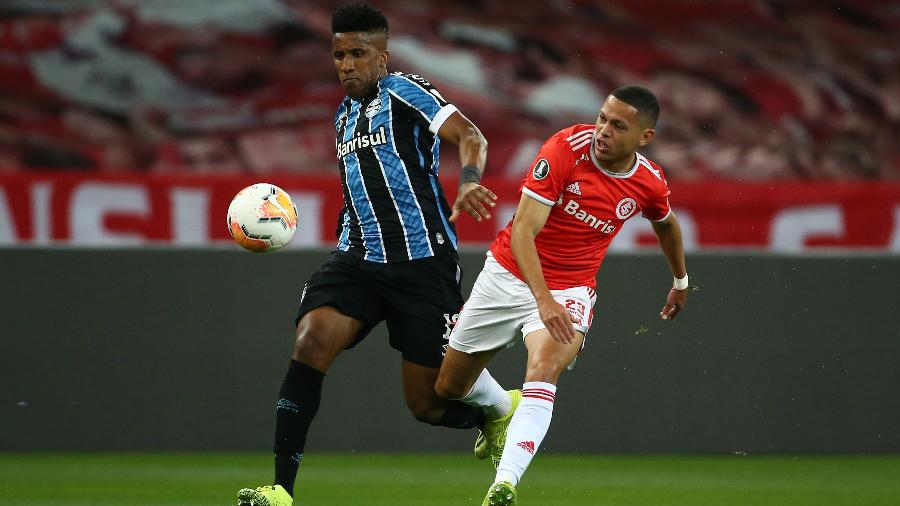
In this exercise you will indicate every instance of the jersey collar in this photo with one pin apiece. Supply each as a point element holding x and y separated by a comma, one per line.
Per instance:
<point>622,175</point>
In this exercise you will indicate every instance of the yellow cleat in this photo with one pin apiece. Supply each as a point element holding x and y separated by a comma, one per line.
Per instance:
<point>481,450</point>
<point>270,495</point>
<point>495,430</point>
<point>500,494</point>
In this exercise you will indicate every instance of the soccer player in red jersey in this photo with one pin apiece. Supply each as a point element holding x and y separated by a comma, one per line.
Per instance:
<point>540,274</point>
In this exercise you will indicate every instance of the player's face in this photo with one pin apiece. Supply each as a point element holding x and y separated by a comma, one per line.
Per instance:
<point>620,132</point>
<point>360,59</point>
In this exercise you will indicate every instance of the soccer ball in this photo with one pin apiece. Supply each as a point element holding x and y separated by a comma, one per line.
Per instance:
<point>262,217</point>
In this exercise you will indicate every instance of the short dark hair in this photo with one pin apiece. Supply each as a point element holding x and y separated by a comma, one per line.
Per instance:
<point>641,99</point>
<point>358,17</point>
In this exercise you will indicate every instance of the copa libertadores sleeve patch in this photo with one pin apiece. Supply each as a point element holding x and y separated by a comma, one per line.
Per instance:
<point>541,169</point>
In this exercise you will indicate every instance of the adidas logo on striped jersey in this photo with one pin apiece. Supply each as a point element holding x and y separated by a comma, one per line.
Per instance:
<point>574,188</point>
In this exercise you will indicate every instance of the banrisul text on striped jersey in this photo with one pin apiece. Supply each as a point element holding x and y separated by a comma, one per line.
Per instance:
<point>361,142</point>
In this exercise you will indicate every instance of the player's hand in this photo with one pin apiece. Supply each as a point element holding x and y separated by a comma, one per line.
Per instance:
<point>674,304</point>
<point>472,198</point>
<point>557,320</point>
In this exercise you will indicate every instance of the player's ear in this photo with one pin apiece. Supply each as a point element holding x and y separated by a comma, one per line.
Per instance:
<point>383,59</point>
<point>646,137</point>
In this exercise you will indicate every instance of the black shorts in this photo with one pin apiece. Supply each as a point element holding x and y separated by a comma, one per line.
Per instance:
<point>419,299</point>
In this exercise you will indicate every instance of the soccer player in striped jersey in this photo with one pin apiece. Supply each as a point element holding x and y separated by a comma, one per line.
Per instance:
<point>540,274</point>
<point>396,257</point>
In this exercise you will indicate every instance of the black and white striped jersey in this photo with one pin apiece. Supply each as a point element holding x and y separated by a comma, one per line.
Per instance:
<point>388,153</point>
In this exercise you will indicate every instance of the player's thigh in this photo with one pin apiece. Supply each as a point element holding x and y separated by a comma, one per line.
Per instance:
<point>578,301</point>
<point>497,308</point>
<point>322,334</point>
<point>548,358</point>
<point>342,291</point>
<point>423,299</point>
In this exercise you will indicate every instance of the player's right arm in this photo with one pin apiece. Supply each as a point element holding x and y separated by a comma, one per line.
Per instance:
<point>531,215</point>
<point>472,197</point>
<point>444,120</point>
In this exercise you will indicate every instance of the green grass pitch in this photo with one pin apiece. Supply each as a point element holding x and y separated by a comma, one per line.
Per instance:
<point>207,479</point>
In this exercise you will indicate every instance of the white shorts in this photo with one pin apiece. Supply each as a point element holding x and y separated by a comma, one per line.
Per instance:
<point>501,305</point>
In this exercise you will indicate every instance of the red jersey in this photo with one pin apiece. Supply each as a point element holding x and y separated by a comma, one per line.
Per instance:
<point>590,204</point>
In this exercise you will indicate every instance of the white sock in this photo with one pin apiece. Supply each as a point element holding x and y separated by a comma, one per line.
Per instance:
<point>488,394</point>
<point>526,430</point>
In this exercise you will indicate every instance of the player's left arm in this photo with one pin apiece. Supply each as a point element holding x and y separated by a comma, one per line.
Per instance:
<point>529,220</point>
<point>668,232</point>
<point>472,197</point>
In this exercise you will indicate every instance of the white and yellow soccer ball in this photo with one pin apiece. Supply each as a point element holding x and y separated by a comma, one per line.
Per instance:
<point>262,217</point>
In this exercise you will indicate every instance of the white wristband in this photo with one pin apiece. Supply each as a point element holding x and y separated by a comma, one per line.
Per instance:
<point>681,284</point>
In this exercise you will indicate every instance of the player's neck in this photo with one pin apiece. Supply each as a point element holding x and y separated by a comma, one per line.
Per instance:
<point>373,90</point>
<point>621,166</point>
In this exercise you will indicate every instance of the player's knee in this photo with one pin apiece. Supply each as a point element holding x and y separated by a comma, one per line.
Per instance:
<point>448,389</point>
<point>310,348</point>
<point>547,370</point>
<point>425,409</point>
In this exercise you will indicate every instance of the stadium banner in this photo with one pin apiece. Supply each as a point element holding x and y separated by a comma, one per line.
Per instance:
<point>113,210</point>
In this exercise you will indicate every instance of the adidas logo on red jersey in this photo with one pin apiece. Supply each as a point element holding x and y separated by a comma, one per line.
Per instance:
<point>528,446</point>
<point>574,188</point>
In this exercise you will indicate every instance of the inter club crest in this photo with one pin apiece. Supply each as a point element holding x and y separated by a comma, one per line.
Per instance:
<point>625,208</point>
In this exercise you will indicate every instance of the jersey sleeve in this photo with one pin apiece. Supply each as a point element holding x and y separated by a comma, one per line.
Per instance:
<point>550,171</point>
<point>424,100</point>
<point>657,206</point>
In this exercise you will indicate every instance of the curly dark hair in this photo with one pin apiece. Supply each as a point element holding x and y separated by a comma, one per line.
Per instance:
<point>358,17</point>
